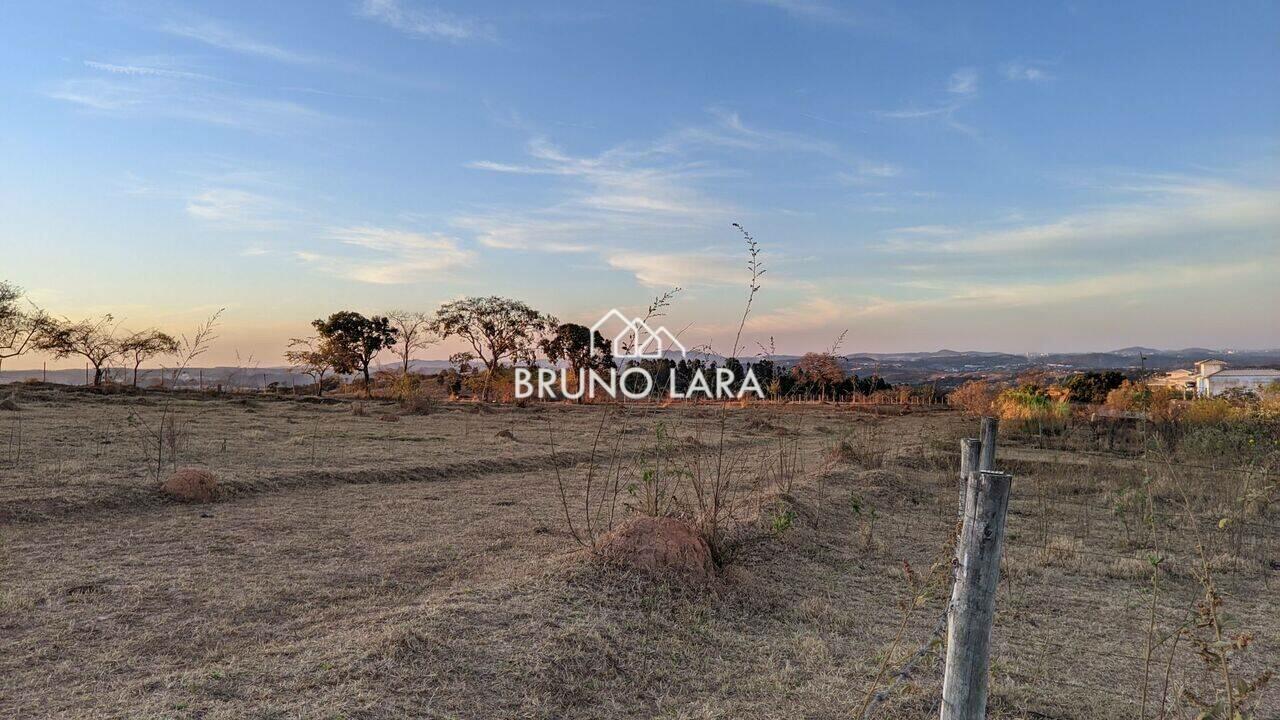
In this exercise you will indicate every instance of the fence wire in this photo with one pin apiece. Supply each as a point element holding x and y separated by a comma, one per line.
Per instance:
<point>1097,607</point>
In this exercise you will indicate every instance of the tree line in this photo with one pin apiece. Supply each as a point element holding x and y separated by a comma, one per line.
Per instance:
<point>24,327</point>
<point>498,332</point>
<point>502,332</point>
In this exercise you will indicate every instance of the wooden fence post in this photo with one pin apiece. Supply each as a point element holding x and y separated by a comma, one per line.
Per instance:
<point>970,457</point>
<point>987,436</point>
<point>973,599</point>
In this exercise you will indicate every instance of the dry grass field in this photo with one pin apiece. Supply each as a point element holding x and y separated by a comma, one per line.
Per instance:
<point>363,567</point>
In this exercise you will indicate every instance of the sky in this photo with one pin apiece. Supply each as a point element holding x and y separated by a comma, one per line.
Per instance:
<point>1025,177</point>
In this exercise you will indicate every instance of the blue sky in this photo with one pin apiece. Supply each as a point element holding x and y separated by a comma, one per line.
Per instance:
<point>1016,176</point>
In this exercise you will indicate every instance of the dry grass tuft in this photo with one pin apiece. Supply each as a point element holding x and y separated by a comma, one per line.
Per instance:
<point>1129,569</point>
<point>661,546</point>
<point>1062,551</point>
<point>916,457</point>
<point>191,485</point>
<point>882,480</point>
<point>860,455</point>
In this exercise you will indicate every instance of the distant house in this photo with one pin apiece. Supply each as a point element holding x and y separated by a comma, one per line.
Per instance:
<point>1213,377</point>
<point>1181,380</point>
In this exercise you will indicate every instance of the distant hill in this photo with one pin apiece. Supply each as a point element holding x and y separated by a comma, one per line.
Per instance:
<point>1134,351</point>
<point>912,367</point>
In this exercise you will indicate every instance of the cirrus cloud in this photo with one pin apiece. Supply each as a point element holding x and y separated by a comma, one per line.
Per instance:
<point>387,256</point>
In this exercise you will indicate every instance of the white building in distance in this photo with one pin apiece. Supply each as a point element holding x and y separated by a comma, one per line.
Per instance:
<point>1213,377</point>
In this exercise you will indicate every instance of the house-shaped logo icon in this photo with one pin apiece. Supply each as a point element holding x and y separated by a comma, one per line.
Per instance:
<point>635,339</point>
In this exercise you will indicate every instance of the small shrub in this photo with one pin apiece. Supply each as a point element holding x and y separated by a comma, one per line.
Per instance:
<point>1160,404</point>
<point>781,518</point>
<point>975,397</point>
<point>418,402</point>
<point>1207,411</point>
<point>1214,442</point>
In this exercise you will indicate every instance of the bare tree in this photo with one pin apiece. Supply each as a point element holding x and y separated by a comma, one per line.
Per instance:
<point>94,339</point>
<point>20,328</point>
<point>146,344</point>
<point>415,334</point>
<point>311,356</point>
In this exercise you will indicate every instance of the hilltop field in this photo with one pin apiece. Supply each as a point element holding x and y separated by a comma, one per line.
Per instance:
<point>361,561</point>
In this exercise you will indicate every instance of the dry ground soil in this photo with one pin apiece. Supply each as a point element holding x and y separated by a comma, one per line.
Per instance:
<point>364,567</point>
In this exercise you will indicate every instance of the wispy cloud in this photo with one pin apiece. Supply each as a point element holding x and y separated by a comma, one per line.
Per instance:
<point>728,130</point>
<point>640,206</point>
<point>424,22</point>
<point>137,70</point>
<point>618,181</point>
<point>225,37</point>
<point>609,201</point>
<point>234,207</point>
<point>962,87</point>
<point>679,269</point>
<point>955,295</point>
<point>1169,215</point>
<point>811,313</point>
<point>1026,71</point>
<point>388,256</point>
<point>529,233</point>
<point>813,10</point>
<point>152,96</point>
<point>963,82</point>
<point>865,173</point>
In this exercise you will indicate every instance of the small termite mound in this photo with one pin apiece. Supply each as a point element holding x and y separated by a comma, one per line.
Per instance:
<point>660,545</point>
<point>191,485</point>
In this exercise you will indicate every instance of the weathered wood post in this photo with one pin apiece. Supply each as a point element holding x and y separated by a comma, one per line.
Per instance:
<point>976,454</point>
<point>983,505</point>
<point>987,436</point>
<point>973,599</point>
<point>970,457</point>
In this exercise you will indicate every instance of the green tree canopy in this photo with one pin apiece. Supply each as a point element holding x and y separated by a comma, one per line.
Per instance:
<point>573,344</point>
<point>354,340</point>
<point>497,328</point>
<point>144,345</point>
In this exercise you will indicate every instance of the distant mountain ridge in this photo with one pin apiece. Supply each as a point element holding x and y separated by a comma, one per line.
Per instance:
<point>895,367</point>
